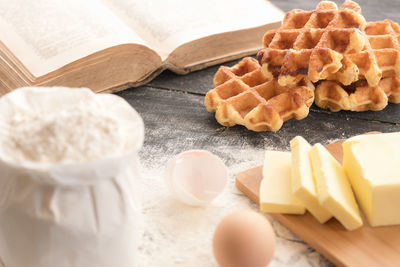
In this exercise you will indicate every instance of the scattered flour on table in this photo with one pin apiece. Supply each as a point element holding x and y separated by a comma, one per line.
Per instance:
<point>179,235</point>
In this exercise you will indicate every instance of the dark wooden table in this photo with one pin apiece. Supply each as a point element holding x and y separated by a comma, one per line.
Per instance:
<point>176,120</point>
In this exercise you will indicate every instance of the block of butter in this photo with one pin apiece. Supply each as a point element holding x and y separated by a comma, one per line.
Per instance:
<point>334,190</point>
<point>372,163</point>
<point>303,180</point>
<point>275,190</point>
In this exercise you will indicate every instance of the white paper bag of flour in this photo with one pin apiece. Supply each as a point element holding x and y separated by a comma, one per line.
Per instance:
<point>68,179</point>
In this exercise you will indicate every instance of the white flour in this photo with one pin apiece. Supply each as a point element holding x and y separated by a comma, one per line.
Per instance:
<point>68,176</point>
<point>75,134</point>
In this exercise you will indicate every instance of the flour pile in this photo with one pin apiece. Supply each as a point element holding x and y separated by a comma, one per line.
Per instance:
<point>78,133</point>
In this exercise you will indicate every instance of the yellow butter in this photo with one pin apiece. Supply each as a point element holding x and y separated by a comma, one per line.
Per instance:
<point>372,163</point>
<point>334,190</point>
<point>303,180</point>
<point>275,190</point>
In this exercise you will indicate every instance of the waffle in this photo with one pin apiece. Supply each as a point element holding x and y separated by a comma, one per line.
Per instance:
<point>243,95</point>
<point>312,43</point>
<point>358,96</point>
<point>379,58</point>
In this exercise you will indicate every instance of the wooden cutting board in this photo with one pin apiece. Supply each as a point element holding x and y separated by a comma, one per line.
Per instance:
<point>366,246</point>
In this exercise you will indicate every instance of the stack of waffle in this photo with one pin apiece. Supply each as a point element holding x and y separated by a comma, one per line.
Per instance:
<point>354,65</point>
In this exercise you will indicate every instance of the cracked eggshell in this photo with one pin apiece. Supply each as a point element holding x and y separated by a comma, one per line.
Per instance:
<point>196,177</point>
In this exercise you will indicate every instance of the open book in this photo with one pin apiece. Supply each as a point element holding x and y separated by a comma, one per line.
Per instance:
<point>109,45</point>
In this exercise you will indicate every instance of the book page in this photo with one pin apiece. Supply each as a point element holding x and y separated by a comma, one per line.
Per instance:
<point>48,34</point>
<point>165,25</point>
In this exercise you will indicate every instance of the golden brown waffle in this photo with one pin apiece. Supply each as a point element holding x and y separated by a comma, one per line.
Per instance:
<point>312,43</point>
<point>243,95</point>
<point>358,96</point>
<point>379,58</point>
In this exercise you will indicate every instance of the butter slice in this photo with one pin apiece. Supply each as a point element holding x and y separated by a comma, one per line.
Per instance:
<point>303,181</point>
<point>334,190</point>
<point>275,190</point>
<point>372,163</point>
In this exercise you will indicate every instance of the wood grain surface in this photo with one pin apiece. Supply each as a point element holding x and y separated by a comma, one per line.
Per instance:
<point>366,246</point>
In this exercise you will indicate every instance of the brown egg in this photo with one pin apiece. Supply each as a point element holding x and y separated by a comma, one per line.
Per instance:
<point>244,239</point>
